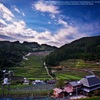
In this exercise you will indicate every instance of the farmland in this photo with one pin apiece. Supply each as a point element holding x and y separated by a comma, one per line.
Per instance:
<point>75,69</point>
<point>32,68</point>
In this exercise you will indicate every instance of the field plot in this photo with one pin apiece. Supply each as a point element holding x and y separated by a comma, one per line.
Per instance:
<point>75,69</point>
<point>32,68</point>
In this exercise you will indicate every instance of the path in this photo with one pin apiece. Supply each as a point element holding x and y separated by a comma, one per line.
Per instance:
<point>47,70</point>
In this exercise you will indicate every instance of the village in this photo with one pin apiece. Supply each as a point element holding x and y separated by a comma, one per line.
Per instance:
<point>86,87</point>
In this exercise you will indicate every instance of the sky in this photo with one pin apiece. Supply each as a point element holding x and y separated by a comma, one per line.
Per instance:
<point>52,22</point>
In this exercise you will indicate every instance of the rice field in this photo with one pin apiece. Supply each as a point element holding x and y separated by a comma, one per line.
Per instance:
<point>31,68</point>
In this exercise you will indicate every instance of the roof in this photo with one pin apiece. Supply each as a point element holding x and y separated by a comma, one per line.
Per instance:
<point>57,90</point>
<point>68,89</point>
<point>92,89</point>
<point>75,83</point>
<point>90,81</point>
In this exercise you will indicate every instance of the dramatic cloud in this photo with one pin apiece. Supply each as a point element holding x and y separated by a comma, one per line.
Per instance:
<point>46,24</point>
<point>3,37</point>
<point>17,30</point>
<point>5,13</point>
<point>43,7</point>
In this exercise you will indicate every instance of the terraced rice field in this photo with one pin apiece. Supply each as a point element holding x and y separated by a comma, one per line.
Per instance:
<point>32,68</point>
<point>75,69</point>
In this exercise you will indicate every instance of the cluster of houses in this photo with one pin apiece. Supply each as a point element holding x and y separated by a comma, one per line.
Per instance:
<point>85,86</point>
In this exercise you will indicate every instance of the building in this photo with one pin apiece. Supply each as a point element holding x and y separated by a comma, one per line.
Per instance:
<point>90,83</point>
<point>86,85</point>
<point>73,87</point>
<point>58,93</point>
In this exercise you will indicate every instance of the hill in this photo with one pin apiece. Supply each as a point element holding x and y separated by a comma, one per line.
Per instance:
<point>11,53</point>
<point>87,48</point>
<point>31,68</point>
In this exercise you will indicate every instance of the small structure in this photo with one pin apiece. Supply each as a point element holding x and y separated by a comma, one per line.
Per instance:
<point>58,93</point>
<point>73,87</point>
<point>38,82</point>
<point>86,85</point>
<point>51,81</point>
<point>90,83</point>
<point>26,81</point>
<point>5,83</point>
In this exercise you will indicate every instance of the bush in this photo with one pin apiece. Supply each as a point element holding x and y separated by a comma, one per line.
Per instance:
<point>60,83</point>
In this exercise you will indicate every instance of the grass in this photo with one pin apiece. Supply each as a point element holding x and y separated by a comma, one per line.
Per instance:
<point>22,89</point>
<point>31,68</point>
<point>78,63</point>
<point>92,98</point>
<point>73,69</point>
<point>65,76</point>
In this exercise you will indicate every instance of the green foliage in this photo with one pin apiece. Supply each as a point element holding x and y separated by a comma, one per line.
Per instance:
<point>32,68</point>
<point>92,98</point>
<point>60,83</point>
<point>11,53</point>
<point>85,48</point>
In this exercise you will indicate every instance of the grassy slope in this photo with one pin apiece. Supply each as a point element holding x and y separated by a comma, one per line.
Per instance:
<point>32,68</point>
<point>73,69</point>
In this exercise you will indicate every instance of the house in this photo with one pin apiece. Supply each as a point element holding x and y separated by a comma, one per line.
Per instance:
<point>51,81</point>
<point>38,82</point>
<point>90,83</point>
<point>72,87</point>
<point>87,85</point>
<point>58,93</point>
<point>26,81</point>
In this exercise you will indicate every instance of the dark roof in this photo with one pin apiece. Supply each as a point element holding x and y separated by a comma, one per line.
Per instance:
<point>90,81</point>
<point>75,83</point>
<point>91,89</point>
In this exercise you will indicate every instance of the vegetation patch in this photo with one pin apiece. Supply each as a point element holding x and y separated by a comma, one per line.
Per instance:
<point>92,98</point>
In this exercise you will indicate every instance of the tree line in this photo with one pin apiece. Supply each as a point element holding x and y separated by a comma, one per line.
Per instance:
<point>87,48</point>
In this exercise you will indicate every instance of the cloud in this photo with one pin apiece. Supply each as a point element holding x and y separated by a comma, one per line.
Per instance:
<point>49,22</point>
<point>60,21</point>
<point>90,28</point>
<point>43,7</point>
<point>11,29</point>
<point>4,37</point>
<point>52,16</point>
<point>17,10</point>
<point>2,22</point>
<point>17,30</point>
<point>5,13</point>
<point>23,13</point>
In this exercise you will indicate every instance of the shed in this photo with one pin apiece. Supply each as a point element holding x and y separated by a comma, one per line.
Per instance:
<point>58,93</point>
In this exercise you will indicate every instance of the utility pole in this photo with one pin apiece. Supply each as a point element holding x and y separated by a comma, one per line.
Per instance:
<point>76,93</point>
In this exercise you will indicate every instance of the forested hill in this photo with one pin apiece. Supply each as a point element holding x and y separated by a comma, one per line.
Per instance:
<point>87,48</point>
<point>11,53</point>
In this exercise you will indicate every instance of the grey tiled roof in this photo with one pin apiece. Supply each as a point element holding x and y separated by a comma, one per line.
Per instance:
<point>91,89</point>
<point>75,83</point>
<point>90,81</point>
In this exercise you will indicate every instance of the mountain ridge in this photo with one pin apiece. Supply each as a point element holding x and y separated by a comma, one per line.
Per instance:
<point>87,48</point>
